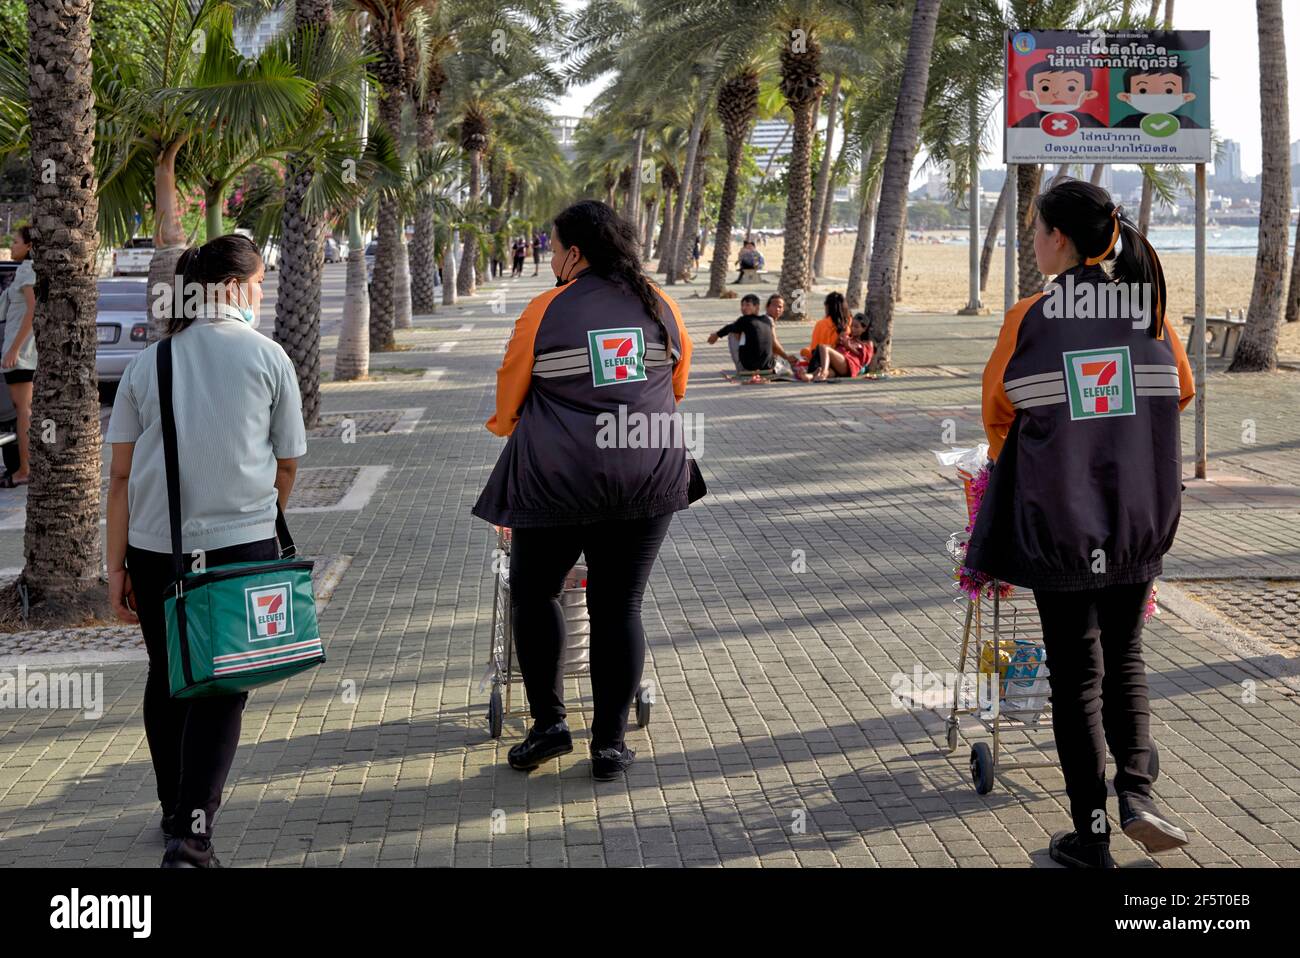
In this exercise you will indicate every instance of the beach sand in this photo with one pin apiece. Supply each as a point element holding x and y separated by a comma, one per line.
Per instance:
<point>935,280</point>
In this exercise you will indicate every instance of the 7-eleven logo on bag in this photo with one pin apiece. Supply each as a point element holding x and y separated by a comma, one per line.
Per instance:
<point>270,612</point>
<point>617,356</point>
<point>1099,382</point>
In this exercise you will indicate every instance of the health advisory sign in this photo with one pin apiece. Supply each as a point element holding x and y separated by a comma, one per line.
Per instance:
<point>1131,96</point>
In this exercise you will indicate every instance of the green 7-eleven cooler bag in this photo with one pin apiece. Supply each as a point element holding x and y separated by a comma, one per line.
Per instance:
<point>237,626</point>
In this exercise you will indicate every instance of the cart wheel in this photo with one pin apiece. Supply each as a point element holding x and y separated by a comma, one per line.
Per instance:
<point>981,768</point>
<point>643,703</point>
<point>496,713</point>
<point>1154,767</point>
<point>952,735</point>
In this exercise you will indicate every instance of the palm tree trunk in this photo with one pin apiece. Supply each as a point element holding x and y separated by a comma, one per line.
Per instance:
<point>902,248</point>
<point>465,278</point>
<point>671,200</point>
<point>633,208</point>
<point>824,171</point>
<point>897,173</point>
<point>823,231</point>
<point>869,200</point>
<point>449,279</point>
<point>62,546</point>
<point>352,360</point>
<point>795,282</point>
<point>1258,347</point>
<point>1028,178</point>
<point>651,212</point>
<point>991,235</point>
<point>423,266</point>
<point>168,239</point>
<point>1097,170</point>
<point>391,92</point>
<point>1293,293</point>
<point>688,175</point>
<point>727,212</point>
<point>691,228</point>
<point>214,223</point>
<point>402,281</point>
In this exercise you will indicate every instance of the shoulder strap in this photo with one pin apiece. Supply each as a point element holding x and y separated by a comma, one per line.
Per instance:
<point>171,459</point>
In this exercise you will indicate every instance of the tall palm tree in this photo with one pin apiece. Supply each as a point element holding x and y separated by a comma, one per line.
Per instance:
<point>60,581</point>
<point>475,137</point>
<point>737,108</point>
<point>1258,347</point>
<point>894,179</point>
<point>302,253</point>
<point>801,84</point>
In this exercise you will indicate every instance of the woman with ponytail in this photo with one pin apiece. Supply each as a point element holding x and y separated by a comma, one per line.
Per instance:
<point>595,465</point>
<point>1081,403</point>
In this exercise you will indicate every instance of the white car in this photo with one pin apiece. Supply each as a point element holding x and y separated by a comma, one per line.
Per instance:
<point>133,259</point>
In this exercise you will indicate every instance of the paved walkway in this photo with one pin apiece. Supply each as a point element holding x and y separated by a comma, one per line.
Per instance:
<point>773,741</point>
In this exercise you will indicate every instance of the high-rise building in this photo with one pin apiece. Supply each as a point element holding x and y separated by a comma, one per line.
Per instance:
<point>1227,166</point>
<point>563,128</point>
<point>771,138</point>
<point>1295,152</point>
<point>250,41</point>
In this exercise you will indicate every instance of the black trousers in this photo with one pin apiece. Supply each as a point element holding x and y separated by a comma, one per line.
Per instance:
<point>192,741</point>
<point>619,558</point>
<point>1099,695</point>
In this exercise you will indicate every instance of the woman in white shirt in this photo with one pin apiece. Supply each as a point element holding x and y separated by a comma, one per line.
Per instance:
<point>239,434</point>
<point>18,352</point>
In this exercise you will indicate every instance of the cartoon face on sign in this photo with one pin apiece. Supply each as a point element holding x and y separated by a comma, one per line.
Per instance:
<point>1058,94</point>
<point>1158,94</point>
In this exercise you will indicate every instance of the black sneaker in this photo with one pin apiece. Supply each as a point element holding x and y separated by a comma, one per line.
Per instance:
<point>1142,823</point>
<point>1066,848</point>
<point>540,745</point>
<point>190,853</point>
<point>608,764</point>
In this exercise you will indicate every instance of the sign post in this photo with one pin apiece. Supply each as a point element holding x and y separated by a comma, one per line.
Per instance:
<point>1124,96</point>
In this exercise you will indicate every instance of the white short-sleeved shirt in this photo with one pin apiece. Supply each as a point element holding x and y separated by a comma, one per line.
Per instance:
<point>238,410</point>
<point>14,306</point>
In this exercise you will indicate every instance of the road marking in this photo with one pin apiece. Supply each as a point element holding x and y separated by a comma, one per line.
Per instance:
<point>467,328</point>
<point>363,488</point>
<point>432,374</point>
<point>448,347</point>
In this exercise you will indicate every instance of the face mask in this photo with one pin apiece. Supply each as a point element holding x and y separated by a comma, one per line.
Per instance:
<point>560,280</point>
<point>1057,107</point>
<point>247,310</point>
<point>1156,102</point>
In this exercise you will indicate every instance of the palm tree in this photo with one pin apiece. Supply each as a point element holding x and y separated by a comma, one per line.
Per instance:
<point>475,137</point>
<point>1258,347</point>
<point>737,108</point>
<point>894,179</point>
<point>60,581</point>
<point>801,84</point>
<point>302,254</point>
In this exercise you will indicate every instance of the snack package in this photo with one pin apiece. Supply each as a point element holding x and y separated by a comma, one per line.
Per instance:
<point>1022,676</point>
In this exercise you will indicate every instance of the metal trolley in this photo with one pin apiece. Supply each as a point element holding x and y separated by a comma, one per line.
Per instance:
<point>502,671</point>
<point>1005,702</point>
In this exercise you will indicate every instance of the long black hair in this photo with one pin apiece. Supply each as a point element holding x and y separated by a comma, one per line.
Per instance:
<point>610,245</point>
<point>1086,214</point>
<point>215,263</point>
<point>838,310</point>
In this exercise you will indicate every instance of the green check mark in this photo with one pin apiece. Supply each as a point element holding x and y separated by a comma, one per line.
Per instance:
<point>1159,124</point>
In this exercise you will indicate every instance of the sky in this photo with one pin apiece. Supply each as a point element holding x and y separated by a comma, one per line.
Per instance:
<point>1234,65</point>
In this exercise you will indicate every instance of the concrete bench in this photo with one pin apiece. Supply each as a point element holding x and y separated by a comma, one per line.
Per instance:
<point>1224,333</point>
<point>751,275</point>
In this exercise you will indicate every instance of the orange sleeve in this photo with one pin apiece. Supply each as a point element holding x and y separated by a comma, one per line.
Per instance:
<point>1186,381</point>
<point>823,332</point>
<point>681,371</point>
<point>516,372</point>
<point>996,407</point>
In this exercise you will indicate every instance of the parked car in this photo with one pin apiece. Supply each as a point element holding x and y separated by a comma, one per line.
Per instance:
<point>121,329</point>
<point>334,252</point>
<point>370,260</point>
<point>133,259</point>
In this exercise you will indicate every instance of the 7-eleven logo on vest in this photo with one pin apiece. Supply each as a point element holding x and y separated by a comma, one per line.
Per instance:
<point>617,356</point>
<point>270,612</point>
<point>1099,382</point>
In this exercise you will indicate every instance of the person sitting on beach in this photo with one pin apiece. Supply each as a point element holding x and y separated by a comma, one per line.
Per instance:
<point>752,338</point>
<point>829,327</point>
<point>852,351</point>
<point>750,258</point>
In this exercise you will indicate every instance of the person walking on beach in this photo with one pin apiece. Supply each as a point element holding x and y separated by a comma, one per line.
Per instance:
<point>18,307</point>
<point>604,345</point>
<point>1081,403</point>
<point>240,433</point>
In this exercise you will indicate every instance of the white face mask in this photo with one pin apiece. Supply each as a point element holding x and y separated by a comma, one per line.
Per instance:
<point>1156,102</point>
<point>1057,107</point>
<point>246,311</point>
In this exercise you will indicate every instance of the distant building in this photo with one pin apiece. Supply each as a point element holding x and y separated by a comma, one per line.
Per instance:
<point>1295,152</point>
<point>563,129</point>
<point>1227,166</point>
<point>252,41</point>
<point>771,139</point>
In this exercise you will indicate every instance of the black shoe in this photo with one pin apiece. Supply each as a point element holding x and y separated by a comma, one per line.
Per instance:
<point>190,853</point>
<point>608,764</point>
<point>540,745</point>
<point>1142,823</point>
<point>1066,848</point>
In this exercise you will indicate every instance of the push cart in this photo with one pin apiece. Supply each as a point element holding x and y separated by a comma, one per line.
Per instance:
<point>1002,645</point>
<point>502,670</point>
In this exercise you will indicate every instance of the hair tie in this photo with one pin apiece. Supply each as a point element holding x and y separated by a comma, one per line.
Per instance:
<point>1114,238</point>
